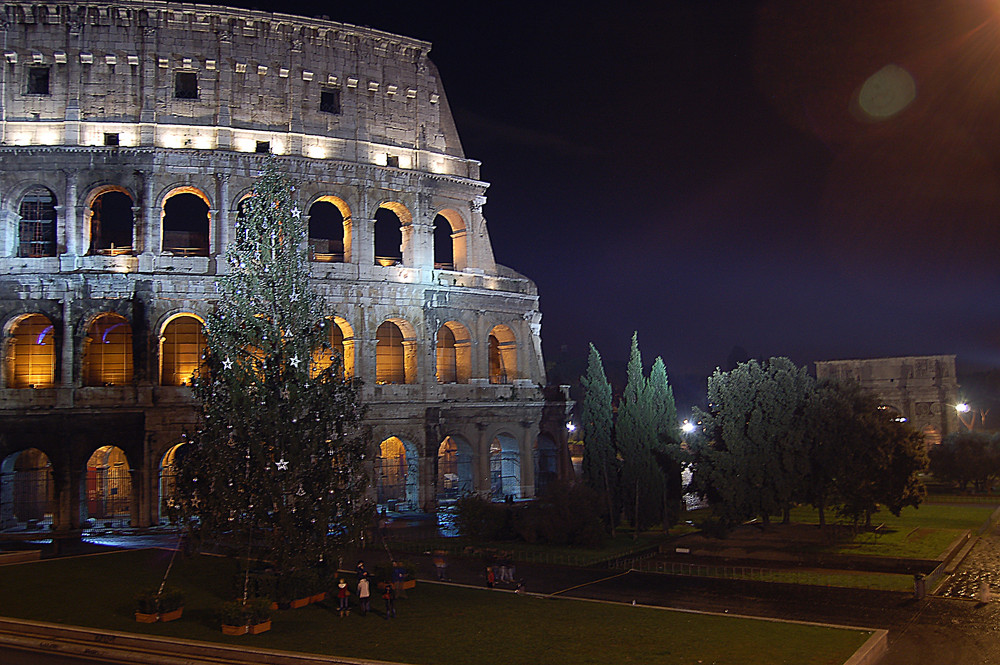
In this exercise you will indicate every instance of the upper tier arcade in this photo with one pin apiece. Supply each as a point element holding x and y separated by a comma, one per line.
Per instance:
<point>176,75</point>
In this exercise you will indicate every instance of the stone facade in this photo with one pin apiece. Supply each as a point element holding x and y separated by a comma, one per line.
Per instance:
<point>111,114</point>
<point>922,389</point>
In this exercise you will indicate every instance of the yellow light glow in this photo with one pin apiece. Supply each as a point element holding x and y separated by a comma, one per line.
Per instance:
<point>405,162</point>
<point>381,158</point>
<point>277,147</point>
<point>204,142</point>
<point>316,152</point>
<point>171,141</point>
<point>48,137</point>
<point>244,144</point>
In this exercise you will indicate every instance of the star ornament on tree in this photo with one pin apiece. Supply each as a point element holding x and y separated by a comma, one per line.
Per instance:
<point>295,361</point>
<point>282,464</point>
<point>296,213</point>
<point>227,364</point>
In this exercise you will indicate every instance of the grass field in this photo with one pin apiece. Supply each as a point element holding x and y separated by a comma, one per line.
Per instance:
<point>435,624</point>
<point>918,533</point>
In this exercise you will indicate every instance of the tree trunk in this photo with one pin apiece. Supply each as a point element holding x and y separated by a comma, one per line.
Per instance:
<point>635,523</point>
<point>822,514</point>
<point>611,504</point>
<point>786,517</point>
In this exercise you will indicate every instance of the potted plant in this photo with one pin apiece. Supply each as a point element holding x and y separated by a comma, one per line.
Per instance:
<point>146,606</point>
<point>234,618</point>
<point>259,617</point>
<point>170,604</point>
<point>153,605</point>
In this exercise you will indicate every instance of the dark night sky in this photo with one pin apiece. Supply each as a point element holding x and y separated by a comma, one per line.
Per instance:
<point>703,173</point>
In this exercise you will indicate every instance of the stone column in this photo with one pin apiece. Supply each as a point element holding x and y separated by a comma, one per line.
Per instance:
<point>221,224</point>
<point>68,341</point>
<point>69,228</point>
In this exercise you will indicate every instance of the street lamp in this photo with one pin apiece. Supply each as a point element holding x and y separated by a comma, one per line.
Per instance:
<point>967,415</point>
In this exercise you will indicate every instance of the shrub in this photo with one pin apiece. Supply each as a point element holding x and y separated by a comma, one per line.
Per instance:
<point>152,602</point>
<point>480,519</point>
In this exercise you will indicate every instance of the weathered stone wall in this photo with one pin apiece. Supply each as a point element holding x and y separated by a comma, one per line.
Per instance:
<point>111,70</point>
<point>922,389</point>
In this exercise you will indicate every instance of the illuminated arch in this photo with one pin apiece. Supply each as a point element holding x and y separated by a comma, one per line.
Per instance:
<point>110,221</point>
<point>932,435</point>
<point>502,355</point>
<point>450,240</point>
<point>185,222</point>
<point>169,465</point>
<point>455,476</point>
<point>329,237</point>
<point>398,474</point>
<point>182,344</point>
<point>453,353</point>
<point>36,231</point>
<point>342,342</point>
<point>27,492</point>
<point>30,360</point>
<point>395,352</point>
<point>390,218</point>
<point>505,467</point>
<point>107,351</point>
<point>108,490</point>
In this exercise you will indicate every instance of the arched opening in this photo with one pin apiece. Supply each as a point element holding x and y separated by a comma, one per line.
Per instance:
<point>107,352</point>
<point>31,354</point>
<point>444,254</point>
<point>395,353</point>
<point>505,468</point>
<point>398,475</point>
<point>341,339</point>
<point>450,251</point>
<point>389,235</point>
<point>453,353</point>
<point>454,469</point>
<point>502,355</point>
<point>186,221</point>
<point>329,226</point>
<point>111,223</point>
<point>36,233</point>
<point>27,493</point>
<point>108,490</point>
<point>546,462</point>
<point>932,436</point>
<point>181,348</point>
<point>168,482</point>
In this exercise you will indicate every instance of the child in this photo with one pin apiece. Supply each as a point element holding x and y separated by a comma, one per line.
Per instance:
<point>389,595</point>
<point>342,594</point>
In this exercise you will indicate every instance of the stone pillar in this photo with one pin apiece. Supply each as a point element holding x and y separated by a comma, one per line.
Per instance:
<point>68,341</point>
<point>150,221</point>
<point>527,458</point>
<point>482,481</point>
<point>69,228</point>
<point>364,247</point>
<point>221,224</point>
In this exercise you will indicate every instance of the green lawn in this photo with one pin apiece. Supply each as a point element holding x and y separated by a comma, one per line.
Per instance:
<point>918,533</point>
<point>435,624</point>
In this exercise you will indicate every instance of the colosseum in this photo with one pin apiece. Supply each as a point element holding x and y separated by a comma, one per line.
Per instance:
<point>130,132</point>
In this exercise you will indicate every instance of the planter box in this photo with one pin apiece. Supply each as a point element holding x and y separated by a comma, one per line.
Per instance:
<point>259,627</point>
<point>234,630</point>
<point>299,602</point>
<point>409,584</point>
<point>142,617</point>
<point>274,606</point>
<point>172,615</point>
<point>319,597</point>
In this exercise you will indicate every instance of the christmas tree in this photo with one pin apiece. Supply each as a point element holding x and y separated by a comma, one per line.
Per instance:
<point>276,466</point>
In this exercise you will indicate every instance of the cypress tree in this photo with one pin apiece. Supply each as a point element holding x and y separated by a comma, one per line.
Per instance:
<point>600,465</point>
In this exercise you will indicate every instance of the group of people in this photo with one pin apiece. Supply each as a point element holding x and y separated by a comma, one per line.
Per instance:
<point>501,571</point>
<point>364,590</point>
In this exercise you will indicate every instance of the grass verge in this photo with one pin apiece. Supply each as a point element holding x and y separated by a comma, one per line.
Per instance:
<point>435,624</point>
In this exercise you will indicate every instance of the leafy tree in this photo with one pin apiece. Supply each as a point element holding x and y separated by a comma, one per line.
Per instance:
<point>967,457</point>
<point>880,465</point>
<point>636,435</point>
<point>600,465</point>
<point>753,458</point>
<point>666,446</point>
<point>276,464</point>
